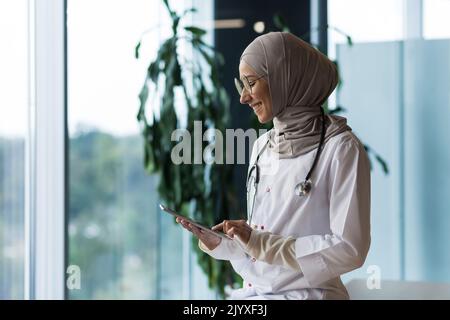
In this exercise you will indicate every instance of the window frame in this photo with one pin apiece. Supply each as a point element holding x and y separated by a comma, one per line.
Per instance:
<point>45,152</point>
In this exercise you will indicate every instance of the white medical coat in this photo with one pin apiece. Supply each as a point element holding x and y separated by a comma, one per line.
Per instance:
<point>331,225</point>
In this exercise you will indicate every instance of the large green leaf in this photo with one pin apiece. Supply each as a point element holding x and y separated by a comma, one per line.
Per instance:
<point>136,50</point>
<point>143,96</point>
<point>195,31</point>
<point>383,164</point>
<point>280,22</point>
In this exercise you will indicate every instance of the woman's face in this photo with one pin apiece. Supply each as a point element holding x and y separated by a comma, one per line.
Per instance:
<point>259,97</point>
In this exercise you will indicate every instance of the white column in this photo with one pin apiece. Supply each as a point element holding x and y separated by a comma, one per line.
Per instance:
<point>413,19</point>
<point>47,220</point>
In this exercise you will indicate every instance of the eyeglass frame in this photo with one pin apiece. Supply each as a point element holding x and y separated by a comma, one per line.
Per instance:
<point>237,83</point>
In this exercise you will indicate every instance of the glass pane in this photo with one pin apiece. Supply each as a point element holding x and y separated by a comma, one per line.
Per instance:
<point>124,246</point>
<point>436,22</point>
<point>362,21</point>
<point>427,156</point>
<point>112,228</point>
<point>375,94</point>
<point>374,98</point>
<point>13,133</point>
<point>409,127</point>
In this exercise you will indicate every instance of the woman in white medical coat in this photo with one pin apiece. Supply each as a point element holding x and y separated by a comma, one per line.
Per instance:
<point>308,186</point>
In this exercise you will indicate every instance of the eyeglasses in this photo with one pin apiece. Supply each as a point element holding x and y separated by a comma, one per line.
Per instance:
<point>245,83</point>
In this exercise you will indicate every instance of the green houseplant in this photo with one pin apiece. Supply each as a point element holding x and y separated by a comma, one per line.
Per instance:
<point>201,191</point>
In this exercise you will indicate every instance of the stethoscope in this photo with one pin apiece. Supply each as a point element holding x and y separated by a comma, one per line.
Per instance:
<point>302,188</point>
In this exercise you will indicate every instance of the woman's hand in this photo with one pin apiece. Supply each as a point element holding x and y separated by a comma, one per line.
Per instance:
<point>235,227</point>
<point>209,240</point>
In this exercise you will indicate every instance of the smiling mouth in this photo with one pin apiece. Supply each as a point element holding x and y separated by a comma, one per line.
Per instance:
<point>256,107</point>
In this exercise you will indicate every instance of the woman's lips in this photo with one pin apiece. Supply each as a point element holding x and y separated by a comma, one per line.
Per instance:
<point>256,106</point>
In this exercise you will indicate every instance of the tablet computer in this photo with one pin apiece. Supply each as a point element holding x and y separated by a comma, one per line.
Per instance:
<point>198,225</point>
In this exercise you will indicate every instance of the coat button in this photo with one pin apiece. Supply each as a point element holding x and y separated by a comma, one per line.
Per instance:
<point>262,227</point>
<point>249,284</point>
<point>268,189</point>
<point>255,226</point>
<point>253,259</point>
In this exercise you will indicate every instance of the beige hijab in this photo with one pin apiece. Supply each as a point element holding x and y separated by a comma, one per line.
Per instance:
<point>300,80</point>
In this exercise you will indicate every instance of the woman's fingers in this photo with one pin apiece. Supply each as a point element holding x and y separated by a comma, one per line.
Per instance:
<point>190,227</point>
<point>181,220</point>
<point>184,223</point>
<point>225,225</point>
<point>231,232</point>
<point>210,240</point>
<point>229,227</point>
<point>235,231</point>
<point>196,231</point>
<point>238,228</point>
<point>228,224</point>
<point>218,227</point>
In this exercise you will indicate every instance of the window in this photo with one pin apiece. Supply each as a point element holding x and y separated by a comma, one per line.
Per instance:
<point>435,19</point>
<point>124,246</point>
<point>14,99</point>
<point>388,80</point>
<point>362,21</point>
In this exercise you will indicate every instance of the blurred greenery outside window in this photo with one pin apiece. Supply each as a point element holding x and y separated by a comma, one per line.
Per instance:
<point>14,99</point>
<point>122,243</point>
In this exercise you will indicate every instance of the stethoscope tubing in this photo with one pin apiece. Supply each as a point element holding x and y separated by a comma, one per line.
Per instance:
<point>301,189</point>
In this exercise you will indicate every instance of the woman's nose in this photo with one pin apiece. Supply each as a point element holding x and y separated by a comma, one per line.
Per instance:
<point>245,97</point>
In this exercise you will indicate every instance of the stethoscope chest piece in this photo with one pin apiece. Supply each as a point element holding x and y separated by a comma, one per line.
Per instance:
<point>303,188</point>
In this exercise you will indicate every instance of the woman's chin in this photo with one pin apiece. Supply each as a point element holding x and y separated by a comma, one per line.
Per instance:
<point>263,118</point>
